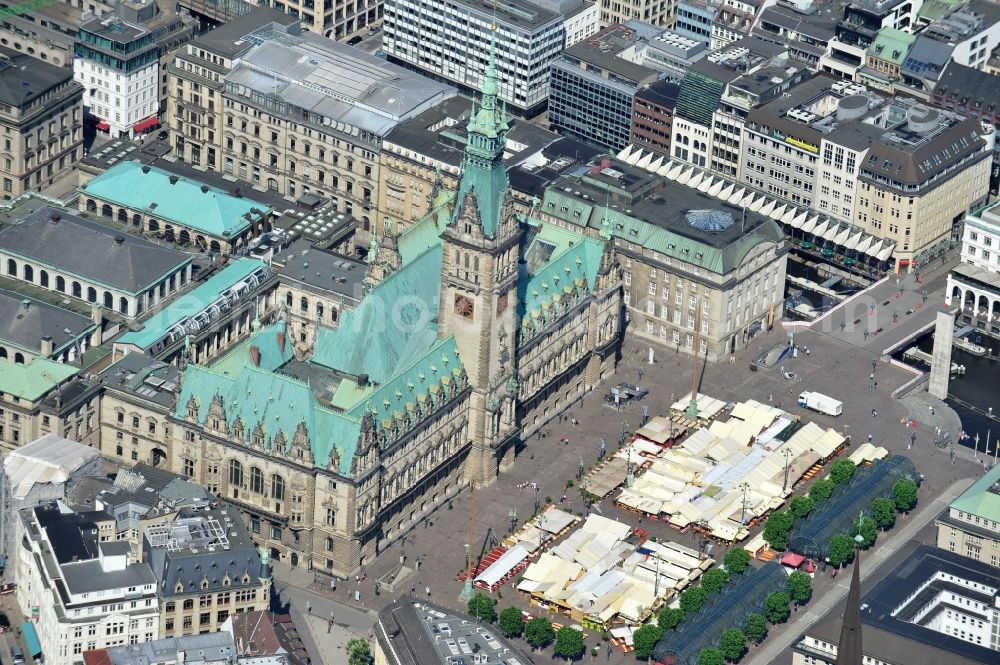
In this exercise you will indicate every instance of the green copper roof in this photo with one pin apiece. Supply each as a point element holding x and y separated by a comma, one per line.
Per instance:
<point>349,394</point>
<point>416,386</point>
<point>31,381</point>
<point>272,354</point>
<point>573,264</point>
<point>191,303</point>
<point>980,500</point>
<point>394,323</point>
<point>425,233</point>
<point>891,45</point>
<point>278,403</point>
<point>185,202</point>
<point>932,10</point>
<point>698,97</point>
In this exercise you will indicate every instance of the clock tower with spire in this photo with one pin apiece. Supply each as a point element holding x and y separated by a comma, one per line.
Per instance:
<point>479,283</point>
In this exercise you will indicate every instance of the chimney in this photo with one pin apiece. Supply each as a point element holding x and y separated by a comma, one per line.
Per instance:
<point>97,317</point>
<point>119,240</point>
<point>281,342</point>
<point>362,380</point>
<point>145,169</point>
<point>605,163</point>
<point>204,189</point>
<point>255,355</point>
<point>47,347</point>
<point>173,179</point>
<point>54,216</point>
<point>595,169</point>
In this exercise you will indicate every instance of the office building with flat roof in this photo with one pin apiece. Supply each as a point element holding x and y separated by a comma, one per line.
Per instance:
<point>970,525</point>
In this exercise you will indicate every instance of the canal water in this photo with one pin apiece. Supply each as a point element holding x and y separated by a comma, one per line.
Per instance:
<point>974,393</point>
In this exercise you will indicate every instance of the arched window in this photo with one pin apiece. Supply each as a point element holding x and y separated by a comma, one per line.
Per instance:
<point>106,211</point>
<point>277,487</point>
<point>123,305</point>
<point>29,273</point>
<point>91,294</point>
<point>235,473</point>
<point>319,310</point>
<point>91,206</point>
<point>256,480</point>
<point>60,284</point>
<point>304,304</point>
<point>43,278</point>
<point>12,267</point>
<point>136,220</point>
<point>215,247</point>
<point>18,358</point>
<point>272,184</point>
<point>77,290</point>
<point>3,352</point>
<point>123,215</point>
<point>109,300</point>
<point>153,225</point>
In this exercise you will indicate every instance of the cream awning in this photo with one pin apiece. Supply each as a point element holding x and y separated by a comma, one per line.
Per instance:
<point>665,169</point>
<point>686,175</point>
<point>852,242</point>
<point>706,184</point>
<point>885,252</point>
<point>789,215</point>
<point>842,237</point>
<point>808,227</point>
<point>634,157</point>
<point>865,244</point>
<point>832,232</point>
<point>800,219</point>
<point>768,208</point>
<point>675,171</point>
<point>655,164</point>
<point>696,180</point>
<point>874,249</point>
<point>726,192</point>
<point>820,229</point>
<point>758,203</point>
<point>645,160</point>
<point>626,151</point>
<point>737,196</point>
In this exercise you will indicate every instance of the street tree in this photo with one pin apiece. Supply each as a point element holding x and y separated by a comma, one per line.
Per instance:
<point>358,652</point>
<point>822,489</point>
<point>711,656</point>
<point>539,632</point>
<point>737,560</point>
<point>776,606</point>
<point>904,494</point>
<point>884,512</point>
<point>776,530</point>
<point>692,599</point>
<point>799,587</point>
<point>669,618</point>
<point>866,527</point>
<point>841,550</point>
<point>714,580</point>
<point>801,506</point>
<point>569,643</point>
<point>510,622</point>
<point>645,640</point>
<point>755,627</point>
<point>483,607</point>
<point>733,644</point>
<point>841,471</point>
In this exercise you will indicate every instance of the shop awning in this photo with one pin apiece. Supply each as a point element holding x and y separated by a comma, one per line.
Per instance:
<point>885,252</point>
<point>792,559</point>
<point>148,123</point>
<point>103,126</point>
<point>31,639</point>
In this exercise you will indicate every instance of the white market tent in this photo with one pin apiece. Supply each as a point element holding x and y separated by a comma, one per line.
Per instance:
<point>502,566</point>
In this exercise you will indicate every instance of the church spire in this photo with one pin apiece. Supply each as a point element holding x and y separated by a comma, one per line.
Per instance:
<point>849,650</point>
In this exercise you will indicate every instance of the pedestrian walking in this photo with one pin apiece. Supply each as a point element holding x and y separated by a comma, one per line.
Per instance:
<point>869,438</point>
<point>333,585</point>
<point>428,589</point>
<point>413,588</point>
<point>874,413</point>
<point>309,608</point>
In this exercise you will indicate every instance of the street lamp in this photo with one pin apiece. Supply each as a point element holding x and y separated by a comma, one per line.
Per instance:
<point>536,499</point>
<point>743,513</point>
<point>580,468</point>
<point>787,454</point>
<point>512,514</point>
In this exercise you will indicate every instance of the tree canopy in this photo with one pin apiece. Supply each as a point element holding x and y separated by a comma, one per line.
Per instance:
<point>645,640</point>
<point>884,512</point>
<point>776,530</point>
<point>669,617</point>
<point>692,599</point>
<point>733,644</point>
<point>841,550</point>
<point>510,622</point>
<point>904,494</point>
<point>801,506</point>
<point>841,471</point>
<point>868,532</point>
<point>755,627</point>
<point>714,579</point>
<point>358,652</point>
<point>711,656</point>
<point>539,632</point>
<point>483,607</point>
<point>737,560</point>
<point>776,606</point>
<point>799,587</point>
<point>822,489</point>
<point>569,643</point>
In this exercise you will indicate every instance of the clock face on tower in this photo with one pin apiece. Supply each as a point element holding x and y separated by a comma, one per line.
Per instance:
<point>464,306</point>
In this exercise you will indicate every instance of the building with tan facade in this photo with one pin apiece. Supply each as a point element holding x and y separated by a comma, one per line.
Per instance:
<point>41,116</point>
<point>333,449</point>
<point>970,525</point>
<point>700,275</point>
<point>336,19</point>
<point>305,115</point>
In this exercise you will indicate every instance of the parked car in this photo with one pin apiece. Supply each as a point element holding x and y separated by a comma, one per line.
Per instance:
<point>354,40</point>
<point>8,588</point>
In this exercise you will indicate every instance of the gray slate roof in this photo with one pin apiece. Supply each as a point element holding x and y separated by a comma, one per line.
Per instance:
<point>23,78</point>
<point>25,326</point>
<point>89,250</point>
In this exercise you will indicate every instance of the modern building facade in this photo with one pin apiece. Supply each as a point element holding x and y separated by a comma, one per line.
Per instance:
<point>591,89</point>
<point>970,525</point>
<point>528,37</point>
<point>652,116</point>
<point>83,592</point>
<point>331,453</point>
<point>698,276</point>
<point>662,13</point>
<point>42,122</point>
<point>118,62</point>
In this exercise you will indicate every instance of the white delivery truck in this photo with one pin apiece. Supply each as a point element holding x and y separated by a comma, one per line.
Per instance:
<point>821,403</point>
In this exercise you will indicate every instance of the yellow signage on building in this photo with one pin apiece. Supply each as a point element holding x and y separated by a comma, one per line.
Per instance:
<point>802,144</point>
